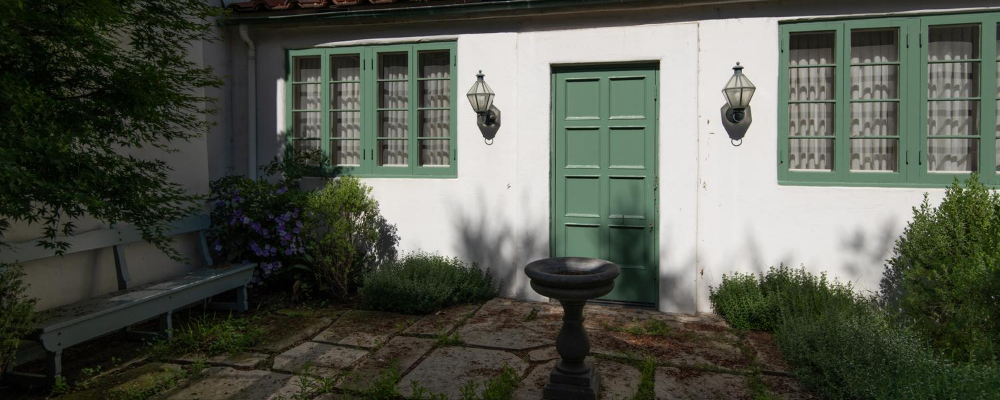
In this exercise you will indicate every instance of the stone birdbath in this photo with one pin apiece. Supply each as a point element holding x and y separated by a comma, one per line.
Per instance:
<point>572,281</point>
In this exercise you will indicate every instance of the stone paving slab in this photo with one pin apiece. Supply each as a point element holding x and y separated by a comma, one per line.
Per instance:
<point>532,385</point>
<point>323,359</point>
<point>618,381</point>
<point>441,322</point>
<point>543,354</point>
<point>673,383</point>
<point>238,361</point>
<point>767,353</point>
<point>684,349</point>
<point>364,328</point>
<point>296,334</point>
<point>224,383</point>
<point>448,369</point>
<point>404,351</point>
<point>507,324</point>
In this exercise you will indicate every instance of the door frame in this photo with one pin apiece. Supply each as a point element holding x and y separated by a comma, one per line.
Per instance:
<point>655,66</point>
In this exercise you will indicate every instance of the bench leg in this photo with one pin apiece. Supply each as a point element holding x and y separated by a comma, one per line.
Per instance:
<point>240,305</point>
<point>53,366</point>
<point>242,299</point>
<point>166,330</point>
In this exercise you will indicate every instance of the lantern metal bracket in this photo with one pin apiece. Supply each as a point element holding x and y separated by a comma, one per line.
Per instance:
<point>489,123</point>
<point>736,129</point>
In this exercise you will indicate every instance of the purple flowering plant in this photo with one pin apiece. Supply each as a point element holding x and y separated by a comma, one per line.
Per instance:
<point>258,221</point>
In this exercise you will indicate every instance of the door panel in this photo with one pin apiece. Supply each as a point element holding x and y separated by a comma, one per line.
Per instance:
<point>604,173</point>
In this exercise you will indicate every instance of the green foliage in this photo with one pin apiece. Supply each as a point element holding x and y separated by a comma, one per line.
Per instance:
<point>209,336</point>
<point>345,232</point>
<point>842,345</point>
<point>650,327</point>
<point>751,304</point>
<point>646,381</point>
<point>445,339</point>
<point>259,221</point>
<point>500,387</point>
<point>384,386</point>
<point>91,92</point>
<point>16,312</point>
<point>422,283</point>
<point>944,276</point>
<point>844,355</point>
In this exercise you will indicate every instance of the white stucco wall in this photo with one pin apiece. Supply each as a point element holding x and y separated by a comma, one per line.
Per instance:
<point>721,207</point>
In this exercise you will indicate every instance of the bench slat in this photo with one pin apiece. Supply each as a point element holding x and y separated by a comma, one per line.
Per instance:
<point>64,316</point>
<point>97,239</point>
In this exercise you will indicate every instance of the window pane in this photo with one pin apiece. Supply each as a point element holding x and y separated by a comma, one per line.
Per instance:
<point>306,125</point>
<point>875,82</point>
<point>392,152</point>
<point>345,67</point>
<point>345,124</point>
<point>306,96</point>
<point>960,117</point>
<point>393,66</point>
<point>345,96</point>
<point>435,123</point>
<point>875,119</point>
<point>874,46</point>
<point>811,83</point>
<point>874,154</point>
<point>953,80</point>
<point>393,94</point>
<point>810,154</point>
<point>952,155</point>
<point>814,119</point>
<point>435,94</point>
<point>435,64</point>
<point>394,124</point>
<point>435,152</point>
<point>307,69</point>
<point>811,48</point>
<point>346,152</point>
<point>954,42</point>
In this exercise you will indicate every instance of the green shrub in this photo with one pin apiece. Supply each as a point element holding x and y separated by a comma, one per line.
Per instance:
<point>16,312</point>
<point>762,305</point>
<point>421,283</point>
<point>846,355</point>
<point>347,235</point>
<point>944,276</point>
<point>208,336</point>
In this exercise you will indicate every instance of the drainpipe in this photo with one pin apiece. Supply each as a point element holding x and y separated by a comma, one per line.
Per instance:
<point>251,103</point>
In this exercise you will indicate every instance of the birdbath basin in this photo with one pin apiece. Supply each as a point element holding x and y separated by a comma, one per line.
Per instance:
<point>572,281</point>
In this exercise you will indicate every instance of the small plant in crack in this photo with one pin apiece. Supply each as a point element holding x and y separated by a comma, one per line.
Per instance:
<point>445,339</point>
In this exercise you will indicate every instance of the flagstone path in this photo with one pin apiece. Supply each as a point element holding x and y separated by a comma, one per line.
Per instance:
<point>696,357</point>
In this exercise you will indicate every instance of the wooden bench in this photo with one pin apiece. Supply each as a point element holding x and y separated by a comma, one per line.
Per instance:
<point>62,327</point>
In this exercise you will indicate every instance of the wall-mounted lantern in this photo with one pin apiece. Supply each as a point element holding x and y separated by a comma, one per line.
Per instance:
<point>736,116</point>
<point>481,98</point>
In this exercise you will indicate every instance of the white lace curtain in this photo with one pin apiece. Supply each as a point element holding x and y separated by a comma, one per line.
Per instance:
<point>951,77</point>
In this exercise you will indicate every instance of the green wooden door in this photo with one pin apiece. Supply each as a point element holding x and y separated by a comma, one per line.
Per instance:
<point>604,172</point>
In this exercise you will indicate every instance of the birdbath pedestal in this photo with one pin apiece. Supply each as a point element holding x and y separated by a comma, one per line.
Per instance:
<point>572,281</point>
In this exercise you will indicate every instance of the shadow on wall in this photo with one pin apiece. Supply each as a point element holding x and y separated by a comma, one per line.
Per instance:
<point>488,239</point>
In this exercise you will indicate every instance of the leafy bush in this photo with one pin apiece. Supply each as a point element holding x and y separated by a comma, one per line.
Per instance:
<point>16,312</point>
<point>421,283</point>
<point>347,235</point>
<point>944,276</point>
<point>749,304</point>
<point>845,355</point>
<point>258,221</point>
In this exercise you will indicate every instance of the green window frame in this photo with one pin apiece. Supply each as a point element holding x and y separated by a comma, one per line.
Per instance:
<point>830,117</point>
<point>374,111</point>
